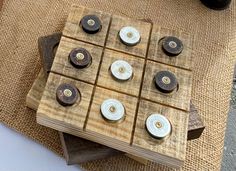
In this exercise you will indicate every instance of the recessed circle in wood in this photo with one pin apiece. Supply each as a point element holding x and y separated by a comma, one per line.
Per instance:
<point>130,36</point>
<point>121,70</point>
<point>158,126</point>
<point>91,24</point>
<point>172,46</point>
<point>80,58</point>
<point>67,94</point>
<point>165,81</point>
<point>112,110</point>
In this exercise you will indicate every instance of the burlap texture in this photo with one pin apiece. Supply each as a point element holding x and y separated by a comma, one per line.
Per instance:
<point>23,21</point>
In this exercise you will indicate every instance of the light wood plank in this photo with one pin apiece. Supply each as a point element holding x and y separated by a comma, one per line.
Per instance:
<point>175,144</point>
<point>178,99</point>
<point>74,115</point>
<point>34,95</point>
<point>105,78</point>
<point>183,60</point>
<point>74,30</point>
<point>96,123</point>
<point>114,42</point>
<point>62,65</point>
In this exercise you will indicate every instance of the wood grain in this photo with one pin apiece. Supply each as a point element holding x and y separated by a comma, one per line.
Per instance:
<point>183,60</point>
<point>62,65</point>
<point>175,144</point>
<point>114,42</point>
<point>105,79</point>
<point>74,115</point>
<point>85,121</point>
<point>74,30</point>
<point>117,136</point>
<point>195,125</point>
<point>34,95</point>
<point>178,99</point>
<point>76,150</point>
<point>121,131</point>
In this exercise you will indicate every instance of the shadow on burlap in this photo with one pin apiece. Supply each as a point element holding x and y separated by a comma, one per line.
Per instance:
<point>23,21</point>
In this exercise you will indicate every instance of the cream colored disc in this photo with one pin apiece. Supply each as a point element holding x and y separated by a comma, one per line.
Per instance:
<point>129,36</point>
<point>121,70</point>
<point>112,110</point>
<point>158,126</point>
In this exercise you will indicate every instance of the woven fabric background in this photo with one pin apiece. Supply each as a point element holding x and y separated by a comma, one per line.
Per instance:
<point>23,21</point>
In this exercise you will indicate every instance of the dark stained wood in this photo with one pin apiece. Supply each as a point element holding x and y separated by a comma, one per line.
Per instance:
<point>77,150</point>
<point>195,125</point>
<point>47,48</point>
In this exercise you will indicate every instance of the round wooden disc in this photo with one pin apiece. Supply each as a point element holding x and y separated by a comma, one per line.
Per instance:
<point>165,81</point>
<point>67,94</point>
<point>130,36</point>
<point>172,46</point>
<point>80,58</point>
<point>91,24</point>
<point>158,126</point>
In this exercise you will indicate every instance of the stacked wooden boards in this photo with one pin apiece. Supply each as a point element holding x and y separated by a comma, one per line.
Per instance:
<point>84,119</point>
<point>78,150</point>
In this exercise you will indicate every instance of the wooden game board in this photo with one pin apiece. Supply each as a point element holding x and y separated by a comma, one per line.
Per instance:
<point>130,135</point>
<point>78,150</point>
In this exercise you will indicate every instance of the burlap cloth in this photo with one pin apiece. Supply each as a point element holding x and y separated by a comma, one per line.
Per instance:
<point>23,21</point>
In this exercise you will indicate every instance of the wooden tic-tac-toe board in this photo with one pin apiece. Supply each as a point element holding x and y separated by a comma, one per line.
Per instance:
<point>138,95</point>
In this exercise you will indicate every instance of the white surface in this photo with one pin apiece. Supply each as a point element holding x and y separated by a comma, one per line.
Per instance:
<point>159,132</point>
<point>18,153</point>
<point>129,35</point>
<point>121,70</point>
<point>117,114</point>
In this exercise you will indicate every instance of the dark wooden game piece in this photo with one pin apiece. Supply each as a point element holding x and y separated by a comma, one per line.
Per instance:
<point>80,58</point>
<point>67,94</point>
<point>91,24</point>
<point>77,153</point>
<point>47,48</point>
<point>165,81</point>
<point>172,46</point>
<point>216,4</point>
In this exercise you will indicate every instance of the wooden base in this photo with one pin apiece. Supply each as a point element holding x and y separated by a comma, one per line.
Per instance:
<point>47,43</point>
<point>83,119</point>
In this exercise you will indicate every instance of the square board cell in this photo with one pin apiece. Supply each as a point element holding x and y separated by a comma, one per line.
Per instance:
<point>74,30</point>
<point>121,130</point>
<point>175,144</point>
<point>156,53</point>
<point>62,65</point>
<point>73,115</point>
<point>106,79</point>
<point>179,98</point>
<point>113,41</point>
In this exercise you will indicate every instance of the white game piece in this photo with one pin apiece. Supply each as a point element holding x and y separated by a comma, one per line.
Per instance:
<point>129,35</point>
<point>112,110</point>
<point>158,126</point>
<point>121,70</point>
